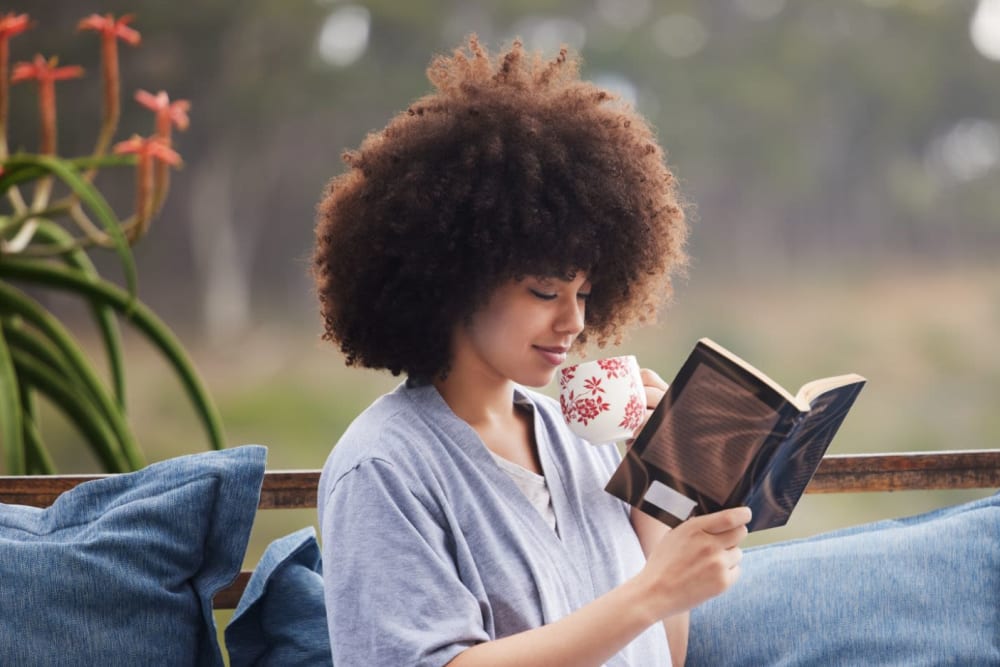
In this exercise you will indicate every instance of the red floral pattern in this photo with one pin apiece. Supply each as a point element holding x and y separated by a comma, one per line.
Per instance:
<point>593,385</point>
<point>634,412</point>
<point>584,399</point>
<point>568,405</point>
<point>615,367</point>
<point>589,408</point>
<point>582,409</point>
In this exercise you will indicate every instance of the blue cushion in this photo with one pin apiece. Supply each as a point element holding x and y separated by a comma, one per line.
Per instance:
<point>281,618</point>
<point>923,590</point>
<point>122,570</point>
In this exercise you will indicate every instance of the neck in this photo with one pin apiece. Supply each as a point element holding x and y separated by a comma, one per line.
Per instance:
<point>477,398</point>
<point>484,399</point>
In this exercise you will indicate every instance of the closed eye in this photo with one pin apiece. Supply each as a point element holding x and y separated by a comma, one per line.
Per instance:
<point>543,295</point>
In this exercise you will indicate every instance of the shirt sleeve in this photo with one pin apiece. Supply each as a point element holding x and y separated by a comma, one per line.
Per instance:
<point>393,593</point>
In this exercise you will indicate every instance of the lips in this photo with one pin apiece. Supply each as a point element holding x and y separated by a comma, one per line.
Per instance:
<point>555,355</point>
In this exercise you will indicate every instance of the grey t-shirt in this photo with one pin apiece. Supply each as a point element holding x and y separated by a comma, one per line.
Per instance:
<point>429,547</point>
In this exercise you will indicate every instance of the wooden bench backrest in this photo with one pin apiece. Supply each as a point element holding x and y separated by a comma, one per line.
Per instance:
<point>296,489</point>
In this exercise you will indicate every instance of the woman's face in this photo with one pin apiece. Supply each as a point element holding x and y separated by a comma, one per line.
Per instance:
<point>524,331</point>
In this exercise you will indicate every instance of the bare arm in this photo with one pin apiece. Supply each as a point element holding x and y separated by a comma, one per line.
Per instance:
<point>650,531</point>
<point>694,562</point>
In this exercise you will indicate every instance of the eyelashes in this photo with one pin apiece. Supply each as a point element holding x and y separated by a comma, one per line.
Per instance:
<point>546,296</point>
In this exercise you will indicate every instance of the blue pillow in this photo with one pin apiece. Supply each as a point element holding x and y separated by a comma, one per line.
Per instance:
<point>122,570</point>
<point>923,590</point>
<point>281,617</point>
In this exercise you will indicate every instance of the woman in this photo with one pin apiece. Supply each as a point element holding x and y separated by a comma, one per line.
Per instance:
<point>492,228</point>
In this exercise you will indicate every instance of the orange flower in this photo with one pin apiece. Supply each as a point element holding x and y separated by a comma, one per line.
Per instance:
<point>10,25</point>
<point>111,31</point>
<point>46,73</point>
<point>168,114</point>
<point>149,150</point>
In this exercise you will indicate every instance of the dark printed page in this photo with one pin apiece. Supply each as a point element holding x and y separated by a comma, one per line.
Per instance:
<point>797,460</point>
<point>710,436</point>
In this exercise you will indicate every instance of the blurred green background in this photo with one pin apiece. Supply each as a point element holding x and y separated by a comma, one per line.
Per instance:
<point>841,159</point>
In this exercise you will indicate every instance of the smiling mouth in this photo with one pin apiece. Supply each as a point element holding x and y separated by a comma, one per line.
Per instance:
<point>554,355</point>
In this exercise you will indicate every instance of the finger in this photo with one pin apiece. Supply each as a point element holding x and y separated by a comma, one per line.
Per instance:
<point>732,558</point>
<point>724,520</point>
<point>651,378</point>
<point>731,538</point>
<point>654,387</point>
<point>653,397</point>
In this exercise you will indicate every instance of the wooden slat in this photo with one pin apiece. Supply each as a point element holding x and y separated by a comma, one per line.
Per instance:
<point>38,491</point>
<point>842,473</point>
<point>289,489</point>
<point>971,469</point>
<point>282,489</point>
<point>230,596</point>
<point>296,489</point>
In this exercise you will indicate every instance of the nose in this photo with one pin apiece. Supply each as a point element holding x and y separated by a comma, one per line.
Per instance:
<point>571,317</point>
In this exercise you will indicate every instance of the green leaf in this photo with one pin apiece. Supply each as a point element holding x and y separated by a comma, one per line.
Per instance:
<point>16,302</point>
<point>37,459</point>
<point>103,314</point>
<point>59,369</point>
<point>11,434</point>
<point>92,198</point>
<point>20,337</point>
<point>140,315</point>
<point>46,359</point>
<point>16,173</point>
<point>82,413</point>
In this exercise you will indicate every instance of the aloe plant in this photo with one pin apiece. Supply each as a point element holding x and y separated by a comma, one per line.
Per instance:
<point>45,242</point>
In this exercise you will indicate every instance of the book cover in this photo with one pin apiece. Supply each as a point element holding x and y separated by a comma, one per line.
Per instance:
<point>726,435</point>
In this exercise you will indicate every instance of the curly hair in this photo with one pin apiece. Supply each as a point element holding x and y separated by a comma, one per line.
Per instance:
<point>513,167</point>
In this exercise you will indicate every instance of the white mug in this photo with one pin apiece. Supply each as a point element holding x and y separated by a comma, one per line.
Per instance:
<point>603,401</point>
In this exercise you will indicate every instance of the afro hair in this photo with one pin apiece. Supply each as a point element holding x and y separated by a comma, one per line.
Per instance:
<point>512,167</point>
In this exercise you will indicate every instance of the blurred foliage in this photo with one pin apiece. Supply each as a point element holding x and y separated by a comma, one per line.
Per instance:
<point>803,132</point>
<point>46,240</point>
<point>829,152</point>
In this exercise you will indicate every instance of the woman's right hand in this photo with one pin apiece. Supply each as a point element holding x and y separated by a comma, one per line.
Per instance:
<point>695,561</point>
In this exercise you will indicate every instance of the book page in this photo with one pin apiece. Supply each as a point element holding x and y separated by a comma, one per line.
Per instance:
<point>711,434</point>
<point>797,460</point>
<point>810,391</point>
<point>749,368</point>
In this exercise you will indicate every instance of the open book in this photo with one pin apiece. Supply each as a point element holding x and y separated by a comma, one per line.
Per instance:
<point>726,435</point>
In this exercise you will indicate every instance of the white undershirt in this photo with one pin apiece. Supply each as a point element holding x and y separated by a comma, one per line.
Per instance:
<point>532,485</point>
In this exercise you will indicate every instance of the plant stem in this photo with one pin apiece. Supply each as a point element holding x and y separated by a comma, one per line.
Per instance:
<point>81,413</point>
<point>4,94</point>
<point>141,316</point>
<point>11,427</point>
<point>103,314</point>
<point>16,302</point>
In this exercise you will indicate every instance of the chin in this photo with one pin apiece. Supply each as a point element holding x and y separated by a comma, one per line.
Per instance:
<point>536,380</point>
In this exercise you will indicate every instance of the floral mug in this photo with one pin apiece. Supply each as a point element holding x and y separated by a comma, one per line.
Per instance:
<point>603,401</point>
